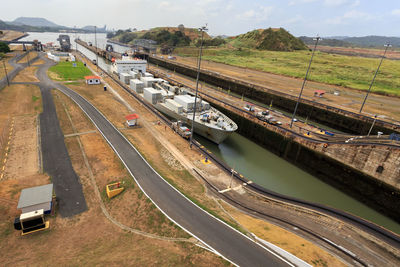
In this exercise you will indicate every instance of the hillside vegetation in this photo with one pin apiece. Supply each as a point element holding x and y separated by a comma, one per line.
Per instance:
<point>347,71</point>
<point>171,36</point>
<point>268,39</point>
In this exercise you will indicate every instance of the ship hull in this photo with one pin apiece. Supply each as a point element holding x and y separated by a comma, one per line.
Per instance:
<point>215,135</point>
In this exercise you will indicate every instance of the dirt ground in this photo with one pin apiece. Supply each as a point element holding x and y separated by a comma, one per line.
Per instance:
<point>31,55</point>
<point>349,99</point>
<point>8,66</point>
<point>27,75</point>
<point>392,54</point>
<point>10,35</point>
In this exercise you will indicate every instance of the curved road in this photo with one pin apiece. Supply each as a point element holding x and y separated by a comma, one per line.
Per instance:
<point>222,238</point>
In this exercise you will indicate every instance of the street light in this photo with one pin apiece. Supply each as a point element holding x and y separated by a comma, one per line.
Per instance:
<point>202,29</point>
<point>305,79</point>
<point>373,79</point>
<point>5,70</point>
<point>95,44</point>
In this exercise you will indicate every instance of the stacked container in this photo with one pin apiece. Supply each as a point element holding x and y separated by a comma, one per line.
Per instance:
<point>125,77</point>
<point>173,105</point>
<point>148,81</point>
<point>152,95</point>
<point>136,85</point>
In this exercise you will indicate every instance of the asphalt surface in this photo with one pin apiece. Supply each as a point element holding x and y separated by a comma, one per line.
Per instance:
<point>17,67</point>
<point>56,161</point>
<point>225,240</point>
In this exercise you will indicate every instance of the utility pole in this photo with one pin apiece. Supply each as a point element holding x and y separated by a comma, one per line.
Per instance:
<point>95,44</point>
<point>376,73</point>
<point>304,81</point>
<point>372,125</point>
<point>5,69</point>
<point>202,29</point>
<point>27,55</point>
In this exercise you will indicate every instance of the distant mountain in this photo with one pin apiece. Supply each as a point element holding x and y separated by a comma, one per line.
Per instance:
<point>373,41</point>
<point>36,22</point>
<point>335,37</point>
<point>326,42</point>
<point>268,39</point>
<point>91,28</point>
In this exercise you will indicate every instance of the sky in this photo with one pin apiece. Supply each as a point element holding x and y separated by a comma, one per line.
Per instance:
<point>223,17</point>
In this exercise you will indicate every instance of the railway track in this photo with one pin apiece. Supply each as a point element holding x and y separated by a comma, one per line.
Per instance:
<point>377,231</point>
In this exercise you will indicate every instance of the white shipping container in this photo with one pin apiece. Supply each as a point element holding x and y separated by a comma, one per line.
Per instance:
<point>148,81</point>
<point>173,105</point>
<point>147,74</point>
<point>185,102</point>
<point>134,74</point>
<point>125,77</point>
<point>136,85</point>
<point>152,95</point>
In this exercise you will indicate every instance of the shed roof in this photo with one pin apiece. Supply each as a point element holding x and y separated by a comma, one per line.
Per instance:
<point>319,92</point>
<point>132,116</point>
<point>92,77</point>
<point>35,195</point>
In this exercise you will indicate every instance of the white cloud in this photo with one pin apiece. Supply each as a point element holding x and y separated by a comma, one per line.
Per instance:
<point>262,13</point>
<point>396,12</point>
<point>348,16</point>
<point>295,2</point>
<point>335,2</point>
<point>355,3</point>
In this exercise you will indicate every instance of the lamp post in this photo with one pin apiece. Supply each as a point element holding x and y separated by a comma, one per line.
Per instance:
<point>202,29</point>
<point>376,72</point>
<point>5,70</point>
<point>95,44</point>
<point>304,81</point>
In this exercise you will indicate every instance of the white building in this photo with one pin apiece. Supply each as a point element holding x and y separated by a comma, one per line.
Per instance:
<point>36,198</point>
<point>93,79</point>
<point>127,64</point>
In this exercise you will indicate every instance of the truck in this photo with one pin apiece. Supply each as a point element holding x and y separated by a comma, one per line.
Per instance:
<point>182,130</point>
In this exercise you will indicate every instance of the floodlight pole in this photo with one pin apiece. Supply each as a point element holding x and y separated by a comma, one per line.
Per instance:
<point>202,29</point>
<point>5,70</point>
<point>376,73</point>
<point>304,81</point>
<point>95,44</point>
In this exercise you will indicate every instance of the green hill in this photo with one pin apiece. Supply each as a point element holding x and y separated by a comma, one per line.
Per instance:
<point>268,39</point>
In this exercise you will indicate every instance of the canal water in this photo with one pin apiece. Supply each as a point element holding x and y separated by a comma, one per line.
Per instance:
<point>256,162</point>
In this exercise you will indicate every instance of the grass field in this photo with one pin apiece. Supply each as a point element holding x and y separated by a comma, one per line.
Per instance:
<point>66,72</point>
<point>347,71</point>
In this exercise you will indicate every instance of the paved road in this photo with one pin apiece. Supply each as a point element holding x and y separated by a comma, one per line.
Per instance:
<point>17,67</point>
<point>231,244</point>
<point>56,161</point>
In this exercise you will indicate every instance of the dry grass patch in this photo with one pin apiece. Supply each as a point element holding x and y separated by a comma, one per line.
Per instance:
<point>284,239</point>
<point>27,75</point>
<point>29,56</point>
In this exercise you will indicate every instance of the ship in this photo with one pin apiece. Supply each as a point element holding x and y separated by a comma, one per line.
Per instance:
<point>177,103</point>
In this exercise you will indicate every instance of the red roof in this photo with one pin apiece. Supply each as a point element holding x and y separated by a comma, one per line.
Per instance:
<point>92,77</point>
<point>132,116</point>
<point>321,92</point>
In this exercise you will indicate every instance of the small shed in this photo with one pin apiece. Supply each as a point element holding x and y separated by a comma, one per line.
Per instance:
<point>131,119</point>
<point>92,79</point>
<point>319,93</point>
<point>36,198</point>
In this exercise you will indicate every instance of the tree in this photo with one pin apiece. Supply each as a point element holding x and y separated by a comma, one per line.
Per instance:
<point>4,47</point>
<point>110,35</point>
<point>181,27</point>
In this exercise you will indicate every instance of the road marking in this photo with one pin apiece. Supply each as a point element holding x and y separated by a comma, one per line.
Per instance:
<point>1,176</point>
<point>4,167</point>
<point>4,161</point>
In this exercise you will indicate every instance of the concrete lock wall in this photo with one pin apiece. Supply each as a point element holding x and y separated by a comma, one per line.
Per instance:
<point>354,173</point>
<point>333,117</point>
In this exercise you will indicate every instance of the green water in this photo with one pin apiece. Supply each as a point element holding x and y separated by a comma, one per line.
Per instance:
<point>276,174</point>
